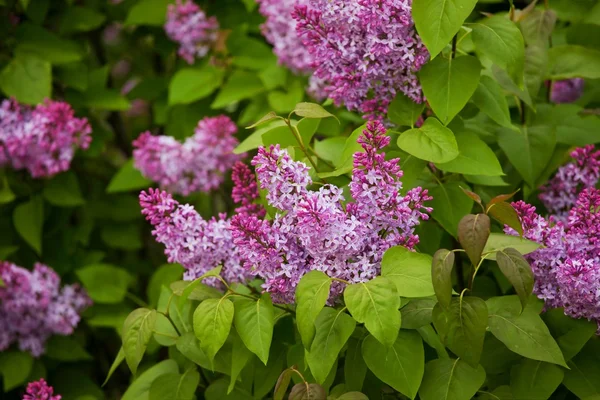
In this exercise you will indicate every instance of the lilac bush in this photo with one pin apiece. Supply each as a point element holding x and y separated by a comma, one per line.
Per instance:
<point>39,390</point>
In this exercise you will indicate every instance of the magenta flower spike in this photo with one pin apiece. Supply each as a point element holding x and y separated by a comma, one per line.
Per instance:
<point>39,390</point>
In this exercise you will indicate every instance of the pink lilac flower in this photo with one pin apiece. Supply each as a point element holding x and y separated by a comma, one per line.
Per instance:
<point>197,164</point>
<point>42,139</point>
<point>567,91</point>
<point>567,268</point>
<point>280,30</point>
<point>200,245</point>
<point>559,195</point>
<point>189,26</point>
<point>39,390</point>
<point>318,230</point>
<point>363,51</point>
<point>34,307</point>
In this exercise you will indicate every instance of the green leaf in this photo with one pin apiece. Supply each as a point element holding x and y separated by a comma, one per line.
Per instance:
<point>403,111</point>
<point>499,241</point>
<point>80,19</point>
<point>164,331</point>
<point>126,179</point>
<point>175,386</point>
<point>499,39</point>
<point>355,368</point>
<point>431,337</point>
<point>265,376</point>
<point>218,391</point>
<point>307,391</point>
<point>140,387</point>
<point>437,21</point>
<point>417,313</point>
<point>65,348</point>
<point>212,322</point>
<point>582,377</point>
<point>473,233</point>
<point>536,68</point>
<point>312,110</point>
<point>105,283</point>
<point>254,141</point>
<point>529,149</point>
<point>199,292</point>
<point>448,84</point>
<point>409,271</point>
<point>282,383</point>
<point>400,366</point>
<point>271,115</point>
<point>192,84</point>
<point>240,85</point>
<point>507,84</point>
<point>148,12</point>
<point>187,344</point>
<point>488,97</point>
<point>522,332</point>
<point>506,215</point>
<point>117,361</point>
<point>518,271</point>
<point>537,26</point>
<point>27,78</point>
<point>534,380</point>
<point>35,40</point>
<point>6,193</point>
<point>28,219</point>
<point>572,61</point>
<point>572,127</point>
<point>449,205</point>
<point>333,329</point>
<point>163,276</point>
<point>15,367</point>
<point>571,334</point>
<point>137,331</point>
<point>312,293</point>
<point>191,286</point>
<point>63,190</point>
<point>106,99</point>
<point>474,158</point>
<point>250,53</point>
<point>240,355</point>
<point>462,327</point>
<point>447,379</point>
<point>375,303</point>
<point>432,142</point>
<point>353,396</point>
<point>254,321</point>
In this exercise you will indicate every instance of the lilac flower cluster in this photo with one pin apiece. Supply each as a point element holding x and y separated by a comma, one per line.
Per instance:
<point>317,230</point>
<point>39,390</point>
<point>280,30</point>
<point>200,245</point>
<point>189,26</point>
<point>33,307</point>
<point>363,51</point>
<point>560,194</point>
<point>567,91</point>
<point>567,268</point>
<point>42,139</point>
<point>198,164</point>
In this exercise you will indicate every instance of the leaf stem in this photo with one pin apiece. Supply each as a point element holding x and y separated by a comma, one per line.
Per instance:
<point>296,134</point>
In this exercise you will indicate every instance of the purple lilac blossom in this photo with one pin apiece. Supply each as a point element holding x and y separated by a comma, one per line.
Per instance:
<point>39,390</point>
<point>34,307</point>
<point>280,30</point>
<point>567,268</point>
<point>559,195</point>
<point>189,26</point>
<point>42,139</point>
<point>200,245</point>
<point>567,91</point>
<point>198,164</point>
<point>316,230</point>
<point>363,51</point>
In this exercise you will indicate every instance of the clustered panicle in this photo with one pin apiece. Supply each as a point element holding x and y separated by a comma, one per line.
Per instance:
<point>41,139</point>
<point>316,230</point>
<point>363,51</point>
<point>559,195</point>
<point>200,245</point>
<point>567,267</point>
<point>198,164</point>
<point>33,307</point>
<point>189,26</point>
<point>567,91</point>
<point>280,30</point>
<point>40,390</point>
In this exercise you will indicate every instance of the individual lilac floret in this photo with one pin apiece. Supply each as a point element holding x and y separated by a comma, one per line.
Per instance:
<point>200,245</point>
<point>189,26</point>
<point>280,30</point>
<point>198,164</point>
<point>560,194</point>
<point>567,267</point>
<point>33,307</point>
<point>42,139</point>
<point>363,51</point>
<point>318,230</point>
<point>567,91</point>
<point>39,390</point>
